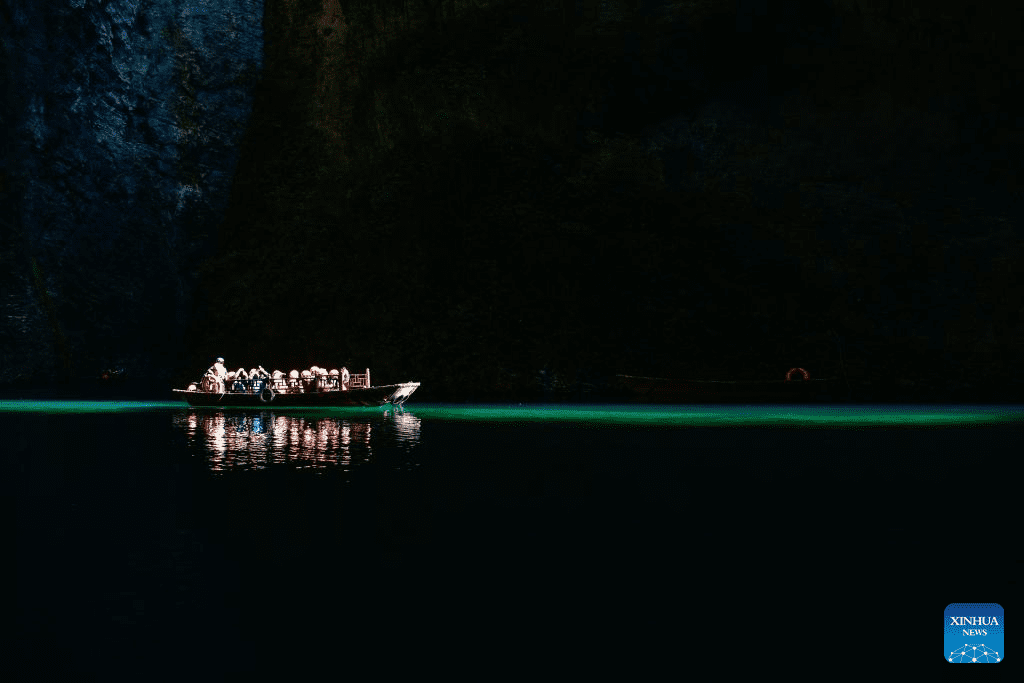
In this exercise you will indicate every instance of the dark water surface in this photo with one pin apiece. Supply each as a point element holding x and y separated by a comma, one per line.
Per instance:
<point>156,542</point>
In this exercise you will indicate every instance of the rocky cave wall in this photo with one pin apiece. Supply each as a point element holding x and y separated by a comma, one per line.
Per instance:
<point>121,126</point>
<point>833,163</point>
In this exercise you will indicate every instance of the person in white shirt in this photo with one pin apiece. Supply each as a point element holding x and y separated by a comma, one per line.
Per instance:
<point>280,384</point>
<point>219,373</point>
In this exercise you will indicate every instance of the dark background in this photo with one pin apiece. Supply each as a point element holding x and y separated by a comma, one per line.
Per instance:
<point>514,199</point>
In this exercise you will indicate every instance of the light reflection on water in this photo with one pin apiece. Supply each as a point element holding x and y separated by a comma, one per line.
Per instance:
<point>253,441</point>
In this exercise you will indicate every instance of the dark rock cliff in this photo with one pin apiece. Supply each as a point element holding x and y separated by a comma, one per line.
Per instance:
<point>121,125</point>
<point>513,198</point>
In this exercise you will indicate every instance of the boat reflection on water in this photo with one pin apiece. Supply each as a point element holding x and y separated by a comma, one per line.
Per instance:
<point>257,440</point>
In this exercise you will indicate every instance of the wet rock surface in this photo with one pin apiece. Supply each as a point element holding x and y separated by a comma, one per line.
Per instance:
<point>122,122</point>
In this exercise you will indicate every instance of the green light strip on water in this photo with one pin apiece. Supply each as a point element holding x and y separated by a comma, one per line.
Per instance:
<point>780,416</point>
<point>83,406</point>
<point>827,417</point>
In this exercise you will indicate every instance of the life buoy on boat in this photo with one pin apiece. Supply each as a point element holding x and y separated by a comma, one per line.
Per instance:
<point>267,395</point>
<point>804,373</point>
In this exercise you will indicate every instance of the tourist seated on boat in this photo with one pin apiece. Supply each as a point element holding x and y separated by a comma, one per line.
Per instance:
<point>258,379</point>
<point>335,381</point>
<point>322,381</point>
<point>280,384</point>
<point>307,380</point>
<point>241,382</point>
<point>293,381</point>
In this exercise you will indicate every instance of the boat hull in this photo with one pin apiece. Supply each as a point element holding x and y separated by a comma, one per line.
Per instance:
<point>661,390</point>
<point>394,394</point>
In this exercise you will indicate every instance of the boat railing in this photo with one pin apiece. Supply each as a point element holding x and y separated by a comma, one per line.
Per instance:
<point>290,385</point>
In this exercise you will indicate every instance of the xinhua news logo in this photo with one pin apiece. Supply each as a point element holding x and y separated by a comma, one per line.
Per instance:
<point>972,633</point>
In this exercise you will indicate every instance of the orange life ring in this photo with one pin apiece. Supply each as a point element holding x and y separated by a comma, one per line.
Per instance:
<point>789,375</point>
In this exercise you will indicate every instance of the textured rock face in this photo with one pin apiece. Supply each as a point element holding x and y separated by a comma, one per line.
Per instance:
<point>121,124</point>
<point>734,175</point>
<point>792,168</point>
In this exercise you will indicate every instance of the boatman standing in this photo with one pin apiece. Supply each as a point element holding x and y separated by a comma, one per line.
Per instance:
<point>219,373</point>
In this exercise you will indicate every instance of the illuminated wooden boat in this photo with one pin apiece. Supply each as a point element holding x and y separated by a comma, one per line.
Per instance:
<point>795,388</point>
<point>307,392</point>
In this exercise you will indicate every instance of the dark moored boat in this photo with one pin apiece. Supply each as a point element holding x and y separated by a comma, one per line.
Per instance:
<point>796,387</point>
<point>316,392</point>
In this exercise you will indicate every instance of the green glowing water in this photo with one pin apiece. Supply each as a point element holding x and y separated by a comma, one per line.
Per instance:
<point>781,416</point>
<point>83,406</point>
<point>830,417</point>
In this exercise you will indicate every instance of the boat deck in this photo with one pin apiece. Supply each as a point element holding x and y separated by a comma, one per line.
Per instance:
<point>394,394</point>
